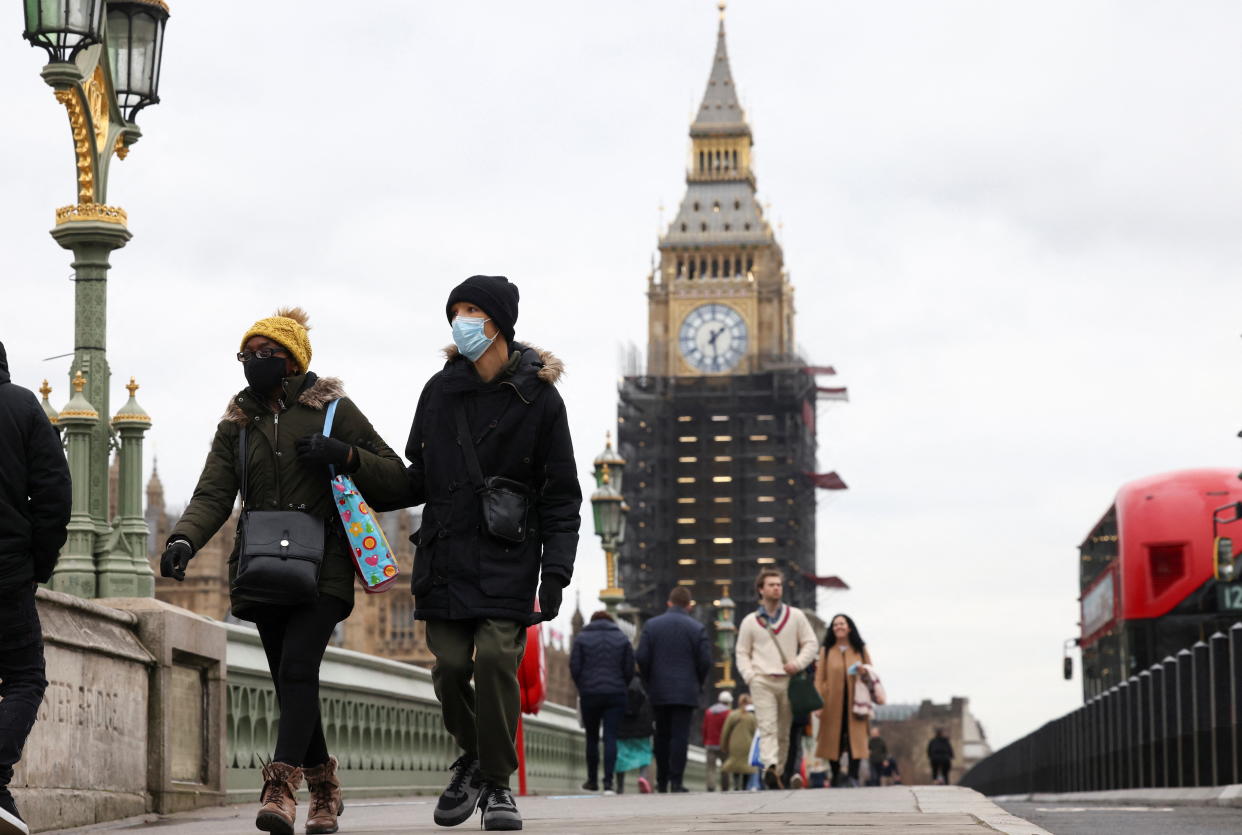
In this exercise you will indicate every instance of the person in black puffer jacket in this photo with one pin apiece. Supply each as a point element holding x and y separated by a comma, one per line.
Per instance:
<point>602,666</point>
<point>35,498</point>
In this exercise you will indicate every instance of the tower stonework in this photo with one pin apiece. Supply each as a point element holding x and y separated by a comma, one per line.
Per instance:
<point>719,432</point>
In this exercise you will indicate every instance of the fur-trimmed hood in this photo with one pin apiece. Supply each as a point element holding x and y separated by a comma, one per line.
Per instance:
<point>316,393</point>
<point>551,367</point>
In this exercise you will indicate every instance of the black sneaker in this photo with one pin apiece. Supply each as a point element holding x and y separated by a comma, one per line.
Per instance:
<point>591,786</point>
<point>458,802</point>
<point>771,780</point>
<point>11,823</point>
<point>499,810</point>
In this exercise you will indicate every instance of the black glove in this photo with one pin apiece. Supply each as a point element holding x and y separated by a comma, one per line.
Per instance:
<point>316,449</point>
<point>176,557</point>
<point>550,596</point>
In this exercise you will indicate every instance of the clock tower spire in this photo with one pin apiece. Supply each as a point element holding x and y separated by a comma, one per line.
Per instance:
<point>719,301</point>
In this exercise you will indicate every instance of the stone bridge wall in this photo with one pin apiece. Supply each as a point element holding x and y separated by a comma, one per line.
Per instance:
<point>151,708</point>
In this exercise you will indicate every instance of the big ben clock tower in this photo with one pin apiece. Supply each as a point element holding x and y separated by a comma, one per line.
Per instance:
<point>719,432</point>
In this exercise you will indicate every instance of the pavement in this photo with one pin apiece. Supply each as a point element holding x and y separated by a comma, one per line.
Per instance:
<point>923,810</point>
<point>1103,818</point>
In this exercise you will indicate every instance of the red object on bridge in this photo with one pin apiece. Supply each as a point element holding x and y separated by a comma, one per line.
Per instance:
<point>1148,573</point>
<point>532,685</point>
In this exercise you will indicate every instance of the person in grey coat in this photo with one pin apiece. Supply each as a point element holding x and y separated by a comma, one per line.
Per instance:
<point>602,665</point>
<point>674,658</point>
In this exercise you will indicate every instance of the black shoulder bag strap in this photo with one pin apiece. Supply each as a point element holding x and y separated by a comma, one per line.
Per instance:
<point>243,450</point>
<point>467,447</point>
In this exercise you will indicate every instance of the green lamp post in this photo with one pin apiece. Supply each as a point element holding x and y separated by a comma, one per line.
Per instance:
<point>726,636</point>
<point>609,509</point>
<point>103,65</point>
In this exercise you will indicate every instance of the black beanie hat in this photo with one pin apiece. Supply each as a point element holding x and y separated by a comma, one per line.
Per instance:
<point>495,295</point>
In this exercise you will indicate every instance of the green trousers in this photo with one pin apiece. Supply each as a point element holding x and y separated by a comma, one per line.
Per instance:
<point>489,650</point>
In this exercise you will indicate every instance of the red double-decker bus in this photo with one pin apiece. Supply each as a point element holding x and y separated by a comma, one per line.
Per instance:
<point>1154,577</point>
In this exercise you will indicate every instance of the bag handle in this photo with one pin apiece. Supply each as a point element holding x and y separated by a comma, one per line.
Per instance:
<point>467,446</point>
<point>327,429</point>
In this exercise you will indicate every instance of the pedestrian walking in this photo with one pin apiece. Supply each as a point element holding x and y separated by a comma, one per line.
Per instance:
<point>877,753</point>
<point>35,499</point>
<point>736,736</point>
<point>674,659</point>
<point>791,774</point>
<point>940,755</point>
<point>773,644</point>
<point>490,455</point>
<point>634,738</point>
<point>841,730</point>
<point>270,448</point>
<point>602,666</point>
<point>713,721</point>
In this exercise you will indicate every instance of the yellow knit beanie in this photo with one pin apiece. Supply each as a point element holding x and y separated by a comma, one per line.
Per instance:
<point>288,327</point>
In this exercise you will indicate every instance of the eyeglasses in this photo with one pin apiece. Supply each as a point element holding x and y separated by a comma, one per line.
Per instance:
<point>262,353</point>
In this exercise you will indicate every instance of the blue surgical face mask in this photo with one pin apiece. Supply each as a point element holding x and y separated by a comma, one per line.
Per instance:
<point>469,338</point>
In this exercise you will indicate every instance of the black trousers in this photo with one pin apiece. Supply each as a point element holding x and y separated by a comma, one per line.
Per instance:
<point>793,761</point>
<point>671,743</point>
<point>608,708</point>
<point>22,674</point>
<point>294,639</point>
<point>940,768</point>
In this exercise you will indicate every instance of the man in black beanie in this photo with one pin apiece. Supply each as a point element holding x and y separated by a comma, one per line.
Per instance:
<point>490,428</point>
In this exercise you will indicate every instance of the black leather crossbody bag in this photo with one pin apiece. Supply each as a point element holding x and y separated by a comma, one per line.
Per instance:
<point>281,551</point>
<point>505,502</point>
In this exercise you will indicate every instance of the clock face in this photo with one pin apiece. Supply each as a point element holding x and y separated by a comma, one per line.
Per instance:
<point>713,338</point>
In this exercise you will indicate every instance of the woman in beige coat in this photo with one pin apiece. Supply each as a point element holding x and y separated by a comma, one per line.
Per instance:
<point>840,731</point>
<point>736,738</point>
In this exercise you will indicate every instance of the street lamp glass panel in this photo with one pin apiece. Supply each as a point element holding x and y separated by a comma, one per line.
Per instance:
<point>607,516</point>
<point>63,27</point>
<point>135,46</point>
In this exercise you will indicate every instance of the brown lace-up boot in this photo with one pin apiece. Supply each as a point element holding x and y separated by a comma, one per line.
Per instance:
<point>325,797</point>
<point>279,809</point>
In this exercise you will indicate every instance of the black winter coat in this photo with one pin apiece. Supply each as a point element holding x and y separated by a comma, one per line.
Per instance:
<point>521,432</point>
<point>674,658</point>
<point>602,659</point>
<point>35,494</point>
<point>939,750</point>
<point>638,721</point>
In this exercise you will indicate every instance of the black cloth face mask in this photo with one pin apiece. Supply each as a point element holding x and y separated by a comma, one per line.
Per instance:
<point>264,375</point>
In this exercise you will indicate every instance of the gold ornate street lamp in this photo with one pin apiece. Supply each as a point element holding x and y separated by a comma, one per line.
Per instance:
<point>103,65</point>
<point>610,511</point>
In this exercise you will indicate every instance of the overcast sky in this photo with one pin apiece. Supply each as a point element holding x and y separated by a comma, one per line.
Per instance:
<point>1013,229</point>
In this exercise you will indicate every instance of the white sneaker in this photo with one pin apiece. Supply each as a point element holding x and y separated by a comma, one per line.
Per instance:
<point>609,793</point>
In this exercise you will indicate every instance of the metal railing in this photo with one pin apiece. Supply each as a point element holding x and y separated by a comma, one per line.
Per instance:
<point>1175,725</point>
<point>382,722</point>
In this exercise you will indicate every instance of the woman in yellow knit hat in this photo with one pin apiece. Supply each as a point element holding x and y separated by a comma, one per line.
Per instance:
<point>287,459</point>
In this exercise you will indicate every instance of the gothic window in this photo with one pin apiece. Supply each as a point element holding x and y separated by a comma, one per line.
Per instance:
<point>735,159</point>
<point>715,268</point>
<point>696,205</point>
<point>703,227</point>
<point>716,206</point>
<point>683,227</point>
<point>702,163</point>
<point>750,263</point>
<point>746,226</point>
<point>727,227</point>
<point>737,205</point>
<point>692,266</point>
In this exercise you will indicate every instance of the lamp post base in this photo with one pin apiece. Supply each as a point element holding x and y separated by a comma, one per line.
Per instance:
<point>611,597</point>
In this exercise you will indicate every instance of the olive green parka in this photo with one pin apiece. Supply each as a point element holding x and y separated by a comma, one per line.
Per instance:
<point>279,481</point>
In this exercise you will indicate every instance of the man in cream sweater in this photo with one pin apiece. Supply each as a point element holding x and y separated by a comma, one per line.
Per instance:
<point>773,644</point>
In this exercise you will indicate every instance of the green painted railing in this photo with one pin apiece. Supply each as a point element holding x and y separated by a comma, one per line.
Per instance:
<point>382,722</point>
